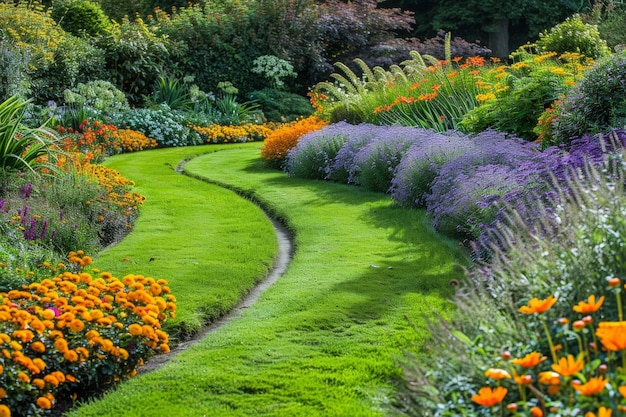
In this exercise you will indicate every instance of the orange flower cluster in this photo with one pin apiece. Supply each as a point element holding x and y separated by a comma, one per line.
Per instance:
<point>91,138</point>
<point>588,380</point>
<point>58,334</point>
<point>133,141</point>
<point>282,140</point>
<point>216,133</point>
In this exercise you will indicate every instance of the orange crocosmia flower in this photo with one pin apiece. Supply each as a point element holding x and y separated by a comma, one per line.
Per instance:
<point>488,397</point>
<point>497,374</point>
<point>612,334</point>
<point>530,360</point>
<point>594,386</point>
<point>538,306</point>
<point>569,366</point>
<point>590,306</point>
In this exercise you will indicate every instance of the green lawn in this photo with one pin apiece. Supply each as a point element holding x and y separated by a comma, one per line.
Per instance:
<point>323,340</point>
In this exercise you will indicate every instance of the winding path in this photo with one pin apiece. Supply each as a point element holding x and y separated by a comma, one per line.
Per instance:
<point>325,338</point>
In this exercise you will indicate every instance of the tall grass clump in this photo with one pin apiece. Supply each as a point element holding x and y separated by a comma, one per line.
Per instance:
<point>539,327</point>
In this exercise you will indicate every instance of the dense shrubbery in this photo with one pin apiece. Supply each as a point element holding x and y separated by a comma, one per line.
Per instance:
<point>573,35</point>
<point>278,144</point>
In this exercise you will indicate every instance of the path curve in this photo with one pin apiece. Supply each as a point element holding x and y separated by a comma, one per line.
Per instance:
<point>286,250</point>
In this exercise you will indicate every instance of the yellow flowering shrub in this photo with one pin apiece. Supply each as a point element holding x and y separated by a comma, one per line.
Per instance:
<point>282,140</point>
<point>134,141</point>
<point>73,335</point>
<point>217,133</point>
<point>32,29</point>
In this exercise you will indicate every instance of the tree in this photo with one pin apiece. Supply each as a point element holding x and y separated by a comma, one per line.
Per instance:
<point>502,24</point>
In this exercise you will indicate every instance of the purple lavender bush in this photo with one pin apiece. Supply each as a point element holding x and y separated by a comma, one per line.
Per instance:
<point>421,164</point>
<point>458,200</point>
<point>374,166</point>
<point>316,151</point>
<point>342,168</point>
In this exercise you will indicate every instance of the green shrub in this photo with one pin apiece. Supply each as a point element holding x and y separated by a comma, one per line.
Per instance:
<point>597,104</point>
<point>611,29</point>
<point>573,35</point>
<point>274,69</point>
<point>281,106</point>
<point>135,57</point>
<point>81,17</point>
<point>14,74</point>
<point>99,95</point>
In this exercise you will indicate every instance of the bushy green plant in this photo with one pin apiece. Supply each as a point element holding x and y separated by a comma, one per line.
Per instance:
<point>172,92</point>
<point>168,127</point>
<point>512,98</point>
<point>135,57</point>
<point>274,69</point>
<point>82,18</point>
<point>573,35</point>
<point>595,105</point>
<point>281,106</point>
<point>611,29</point>
<point>99,95</point>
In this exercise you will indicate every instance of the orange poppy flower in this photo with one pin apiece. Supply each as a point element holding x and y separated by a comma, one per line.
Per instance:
<point>488,397</point>
<point>530,360</point>
<point>612,335</point>
<point>590,306</point>
<point>594,386</point>
<point>538,306</point>
<point>569,366</point>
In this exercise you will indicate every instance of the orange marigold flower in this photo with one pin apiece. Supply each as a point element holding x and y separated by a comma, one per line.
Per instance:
<point>77,325</point>
<point>488,397</point>
<point>3,393</point>
<point>594,386</point>
<point>39,383</point>
<point>44,403</point>
<point>590,306</point>
<point>135,329</point>
<point>538,306</point>
<point>530,360</point>
<point>497,374</point>
<point>569,366</point>
<point>5,411</point>
<point>612,335</point>
<point>38,347</point>
<point>61,345</point>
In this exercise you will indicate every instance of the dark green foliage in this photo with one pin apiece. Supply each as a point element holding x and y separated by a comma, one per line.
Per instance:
<point>597,104</point>
<point>76,61</point>
<point>612,29</point>
<point>81,17</point>
<point>281,106</point>
<point>172,92</point>
<point>135,58</point>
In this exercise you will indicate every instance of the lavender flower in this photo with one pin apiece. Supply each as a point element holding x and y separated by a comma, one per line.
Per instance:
<point>421,163</point>
<point>26,190</point>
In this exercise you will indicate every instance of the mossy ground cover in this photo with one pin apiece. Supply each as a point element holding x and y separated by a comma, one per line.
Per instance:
<point>323,340</point>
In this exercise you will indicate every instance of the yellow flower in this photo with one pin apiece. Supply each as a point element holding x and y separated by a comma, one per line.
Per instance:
<point>489,397</point>
<point>530,360</point>
<point>612,335</point>
<point>569,366</point>
<point>538,306</point>
<point>602,412</point>
<point>592,387</point>
<point>590,306</point>
<point>497,374</point>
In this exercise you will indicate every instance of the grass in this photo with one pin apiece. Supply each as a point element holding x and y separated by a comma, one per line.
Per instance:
<point>323,340</point>
<point>192,234</point>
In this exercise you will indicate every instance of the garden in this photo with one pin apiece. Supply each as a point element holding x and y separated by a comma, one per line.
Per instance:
<point>456,218</point>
